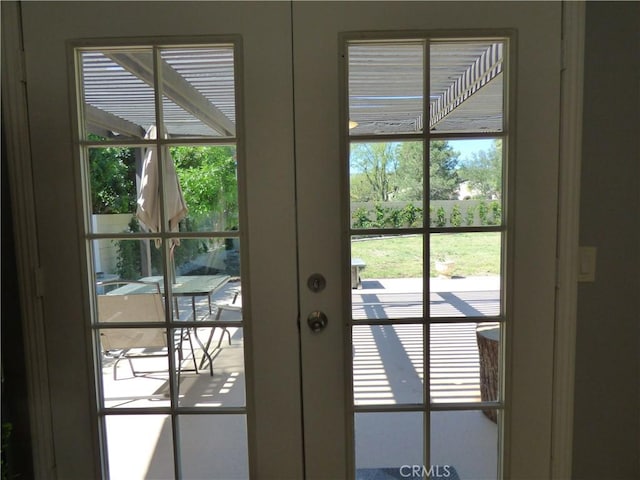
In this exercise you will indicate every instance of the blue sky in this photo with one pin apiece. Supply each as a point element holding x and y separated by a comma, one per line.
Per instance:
<point>467,147</point>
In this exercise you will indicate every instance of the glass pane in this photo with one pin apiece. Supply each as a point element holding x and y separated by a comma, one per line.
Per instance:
<point>124,198</point>
<point>112,183</point>
<point>466,183</point>
<point>207,256</point>
<point>218,352</point>
<point>465,274</point>
<point>466,80</point>
<point>386,184</point>
<point>388,364</point>
<point>386,87</point>
<point>214,446</point>
<point>209,185</point>
<point>139,446</point>
<point>464,362</point>
<point>386,276</point>
<point>466,442</point>
<point>480,169</point>
<point>123,260</point>
<point>444,177</point>
<point>199,92</point>
<point>135,368</point>
<point>388,445</point>
<point>118,93</point>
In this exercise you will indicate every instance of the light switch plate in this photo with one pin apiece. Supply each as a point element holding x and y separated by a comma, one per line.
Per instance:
<point>587,264</point>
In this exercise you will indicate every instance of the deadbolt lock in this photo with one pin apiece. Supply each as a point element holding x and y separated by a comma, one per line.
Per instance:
<point>316,282</point>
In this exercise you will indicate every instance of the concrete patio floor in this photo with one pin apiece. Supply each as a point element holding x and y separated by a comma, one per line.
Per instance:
<point>388,369</point>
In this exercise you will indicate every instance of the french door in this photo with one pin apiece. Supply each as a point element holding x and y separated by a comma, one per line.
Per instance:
<point>407,402</point>
<point>351,366</point>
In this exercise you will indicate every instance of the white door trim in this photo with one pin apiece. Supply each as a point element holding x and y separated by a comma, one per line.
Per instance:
<point>573,25</point>
<point>19,168</point>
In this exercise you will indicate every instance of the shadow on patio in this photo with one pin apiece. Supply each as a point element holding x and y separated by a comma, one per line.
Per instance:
<point>388,369</point>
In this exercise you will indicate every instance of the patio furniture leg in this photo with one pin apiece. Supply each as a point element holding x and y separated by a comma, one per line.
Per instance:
<point>224,330</point>
<point>115,367</point>
<point>213,329</point>
<point>193,352</point>
<point>205,351</point>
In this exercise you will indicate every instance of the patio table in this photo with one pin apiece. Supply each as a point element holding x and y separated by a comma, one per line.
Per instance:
<point>185,286</point>
<point>191,286</point>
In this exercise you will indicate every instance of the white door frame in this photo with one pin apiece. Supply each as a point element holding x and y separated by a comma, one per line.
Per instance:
<point>571,97</point>
<point>16,130</point>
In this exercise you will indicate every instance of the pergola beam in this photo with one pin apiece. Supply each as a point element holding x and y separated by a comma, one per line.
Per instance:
<point>176,88</point>
<point>486,67</point>
<point>105,121</point>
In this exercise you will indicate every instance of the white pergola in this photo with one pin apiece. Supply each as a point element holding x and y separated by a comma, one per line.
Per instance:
<point>386,89</point>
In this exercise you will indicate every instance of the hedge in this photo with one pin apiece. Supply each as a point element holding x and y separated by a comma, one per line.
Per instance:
<point>442,214</point>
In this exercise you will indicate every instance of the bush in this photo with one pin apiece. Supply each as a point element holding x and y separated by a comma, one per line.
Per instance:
<point>488,213</point>
<point>129,263</point>
<point>483,210</point>
<point>361,219</point>
<point>496,213</point>
<point>411,215</point>
<point>471,215</point>
<point>456,216</point>
<point>441,217</point>
<point>130,254</point>
<point>393,218</point>
<point>380,216</point>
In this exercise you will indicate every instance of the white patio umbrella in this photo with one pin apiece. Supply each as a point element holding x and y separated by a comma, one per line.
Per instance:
<point>148,211</point>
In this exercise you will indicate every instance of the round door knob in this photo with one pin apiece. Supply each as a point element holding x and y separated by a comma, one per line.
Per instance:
<point>317,321</point>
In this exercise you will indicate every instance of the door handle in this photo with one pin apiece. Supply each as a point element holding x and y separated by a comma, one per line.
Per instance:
<point>317,321</point>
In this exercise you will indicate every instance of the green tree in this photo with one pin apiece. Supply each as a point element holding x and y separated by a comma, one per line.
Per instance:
<point>484,172</point>
<point>381,171</point>
<point>443,171</point>
<point>112,173</point>
<point>410,172</point>
<point>209,183</point>
<point>374,165</point>
<point>443,174</point>
<point>360,188</point>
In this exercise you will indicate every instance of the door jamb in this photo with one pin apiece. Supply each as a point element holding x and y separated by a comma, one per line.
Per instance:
<point>571,98</point>
<point>15,125</point>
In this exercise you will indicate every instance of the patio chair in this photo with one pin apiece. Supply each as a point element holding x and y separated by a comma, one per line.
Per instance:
<point>220,308</point>
<point>136,302</point>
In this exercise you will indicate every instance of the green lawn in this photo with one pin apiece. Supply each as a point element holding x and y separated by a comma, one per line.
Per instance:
<point>401,257</point>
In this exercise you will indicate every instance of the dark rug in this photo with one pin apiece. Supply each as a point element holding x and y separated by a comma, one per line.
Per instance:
<point>438,472</point>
